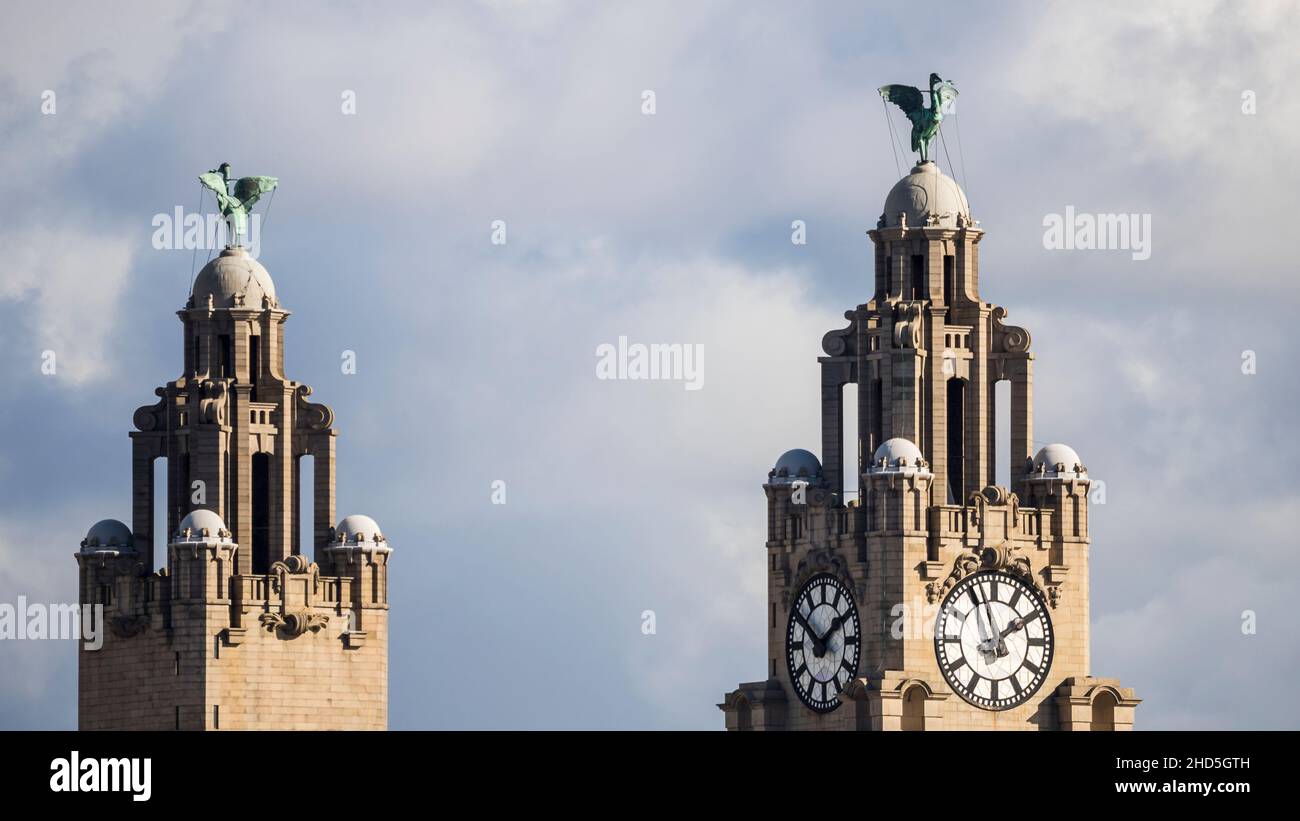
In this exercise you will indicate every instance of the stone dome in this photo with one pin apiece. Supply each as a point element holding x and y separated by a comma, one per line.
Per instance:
<point>925,191</point>
<point>898,455</point>
<point>1057,461</point>
<point>233,280</point>
<point>794,465</point>
<point>203,525</point>
<point>359,530</point>
<point>108,535</point>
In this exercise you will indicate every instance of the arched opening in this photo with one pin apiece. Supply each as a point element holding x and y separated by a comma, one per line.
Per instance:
<point>744,721</point>
<point>1103,712</point>
<point>918,284</point>
<point>852,454</point>
<point>949,285</point>
<point>261,512</point>
<point>161,536</point>
<point>914,708</point>
<point>1002,433</point>
<point>306,506</point>
<point>956,441</point>
<point>877,415</point>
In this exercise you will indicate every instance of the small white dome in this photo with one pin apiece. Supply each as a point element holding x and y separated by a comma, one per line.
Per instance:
<point>360,530</point>
<point>925,191</point>
<point>202,525</point>
<point>233,274</point>
<point>898,455</point>
<point>1058,461</point>
<point>108,535</point>
<point>795,465</point>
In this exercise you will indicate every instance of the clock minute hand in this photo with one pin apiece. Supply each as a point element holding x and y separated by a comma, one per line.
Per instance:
<point>818,644</point>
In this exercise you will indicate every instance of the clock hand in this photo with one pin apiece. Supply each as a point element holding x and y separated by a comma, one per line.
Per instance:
<point>832,627</point>
<point>979,618</point>
<point>1016,624</point>
<point>819,647</point>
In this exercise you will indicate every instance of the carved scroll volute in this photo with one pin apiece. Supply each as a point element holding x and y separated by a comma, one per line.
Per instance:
<point>842,342</point>
<point>313,415</point>
<point>213,402</point>
<point>1008,338</point>
<point>149,417</point>
<point>907,327</point>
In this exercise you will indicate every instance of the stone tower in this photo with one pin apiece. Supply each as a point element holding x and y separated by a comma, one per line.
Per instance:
<point>240,630</point>
<point>935,599</point>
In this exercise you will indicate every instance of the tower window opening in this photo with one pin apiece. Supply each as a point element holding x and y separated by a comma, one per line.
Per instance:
<point>918,276</point>
<point>261,498</point>
<point>254,358</point>
<point>227,367</point>
<point>956,441</point>
<point>949,285</point>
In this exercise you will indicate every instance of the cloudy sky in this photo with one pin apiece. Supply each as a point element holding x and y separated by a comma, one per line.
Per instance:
<point>475,361</point>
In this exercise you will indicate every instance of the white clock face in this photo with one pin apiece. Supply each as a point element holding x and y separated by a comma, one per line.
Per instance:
<point>823,642</point>
<point>993,640</point>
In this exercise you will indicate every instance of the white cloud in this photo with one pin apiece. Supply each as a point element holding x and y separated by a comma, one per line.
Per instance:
<point>71,284</point>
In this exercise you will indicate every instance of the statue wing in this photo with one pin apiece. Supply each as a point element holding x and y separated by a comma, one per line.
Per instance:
<point>217,184</point>
<point>945,97</point>
<point>908,98</point>
<point>254,187</point>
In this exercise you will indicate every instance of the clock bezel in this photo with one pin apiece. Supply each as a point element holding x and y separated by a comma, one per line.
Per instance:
<point>1049,648</point>
<point>846,591</point>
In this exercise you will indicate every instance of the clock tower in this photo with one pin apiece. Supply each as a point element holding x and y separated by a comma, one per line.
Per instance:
<point>937,598</point>
<point>261,614</point>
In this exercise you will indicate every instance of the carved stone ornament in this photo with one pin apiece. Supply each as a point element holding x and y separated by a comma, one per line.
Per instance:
<point>312,415</point>
<point>124,627</point>
<point>839,342</point>
<point>1008,338</point>
<point>146,417</point>
<point>212,403</point>
<point>1003,557</point>
<point>907,327</point>
<point>295,623</point>
<point>822,560</point>
<point>993,495</point>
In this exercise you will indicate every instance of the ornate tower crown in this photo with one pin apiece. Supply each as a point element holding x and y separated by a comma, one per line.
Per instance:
<point>921,520</point>
<point>232,431</point>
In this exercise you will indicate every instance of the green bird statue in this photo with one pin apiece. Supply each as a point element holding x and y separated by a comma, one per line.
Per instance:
<point>925,121</point>
<point>236,199</point>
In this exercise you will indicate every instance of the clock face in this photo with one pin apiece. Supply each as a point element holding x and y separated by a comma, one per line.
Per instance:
<point>993,639</point>
<point>822,642</point>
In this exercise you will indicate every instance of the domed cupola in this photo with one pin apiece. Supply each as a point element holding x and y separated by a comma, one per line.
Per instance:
<point>796,465</point>
<point>926,197</point>
<point>1057,461</point>
<point>108,536</point>
<point>233,280</point>
<point>899,456</point>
